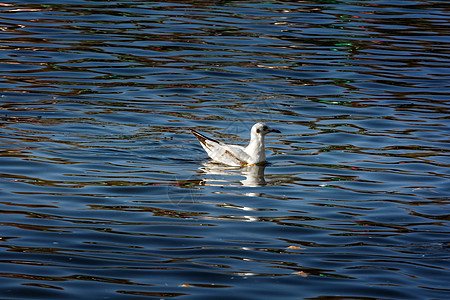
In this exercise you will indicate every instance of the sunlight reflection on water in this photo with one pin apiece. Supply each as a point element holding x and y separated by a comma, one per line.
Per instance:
<point>104,192</point>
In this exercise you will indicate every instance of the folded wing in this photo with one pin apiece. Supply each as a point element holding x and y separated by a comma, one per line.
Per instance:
<point>228,154</point>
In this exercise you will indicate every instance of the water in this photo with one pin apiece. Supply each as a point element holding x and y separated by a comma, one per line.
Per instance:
<point>104,193</point>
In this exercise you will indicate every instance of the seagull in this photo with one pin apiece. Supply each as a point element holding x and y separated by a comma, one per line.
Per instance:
<point>234,155</point>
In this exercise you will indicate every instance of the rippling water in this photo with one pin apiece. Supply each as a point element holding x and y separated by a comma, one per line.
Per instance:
<point>104,194</point>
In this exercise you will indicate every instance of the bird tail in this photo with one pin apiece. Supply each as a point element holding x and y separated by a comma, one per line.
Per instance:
<point>202,138</point>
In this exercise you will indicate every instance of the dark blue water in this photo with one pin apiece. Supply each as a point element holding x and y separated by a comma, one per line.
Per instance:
<point>104,193</point>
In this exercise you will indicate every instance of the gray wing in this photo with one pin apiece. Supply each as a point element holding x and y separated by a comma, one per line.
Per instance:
<point>231,155</point>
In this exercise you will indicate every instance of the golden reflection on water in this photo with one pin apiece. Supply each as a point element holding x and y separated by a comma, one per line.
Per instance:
<point>103,192</point>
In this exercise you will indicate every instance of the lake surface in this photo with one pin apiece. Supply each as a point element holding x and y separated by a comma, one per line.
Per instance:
<point>105,194</point>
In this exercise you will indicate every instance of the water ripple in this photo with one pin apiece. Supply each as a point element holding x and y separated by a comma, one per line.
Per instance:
<point>104,191</point>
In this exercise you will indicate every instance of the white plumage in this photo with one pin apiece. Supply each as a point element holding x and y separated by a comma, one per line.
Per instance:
<point>234,155</point>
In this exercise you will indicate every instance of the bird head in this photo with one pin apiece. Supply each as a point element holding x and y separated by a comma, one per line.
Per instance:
<point>262,129</point>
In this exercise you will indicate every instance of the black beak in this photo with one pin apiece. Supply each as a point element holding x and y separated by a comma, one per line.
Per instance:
<point>275,130</point>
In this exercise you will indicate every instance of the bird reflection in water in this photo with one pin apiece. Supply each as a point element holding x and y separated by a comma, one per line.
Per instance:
<point>254,174</point>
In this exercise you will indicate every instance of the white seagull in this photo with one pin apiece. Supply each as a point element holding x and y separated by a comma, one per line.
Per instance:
<point>234,155</point>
